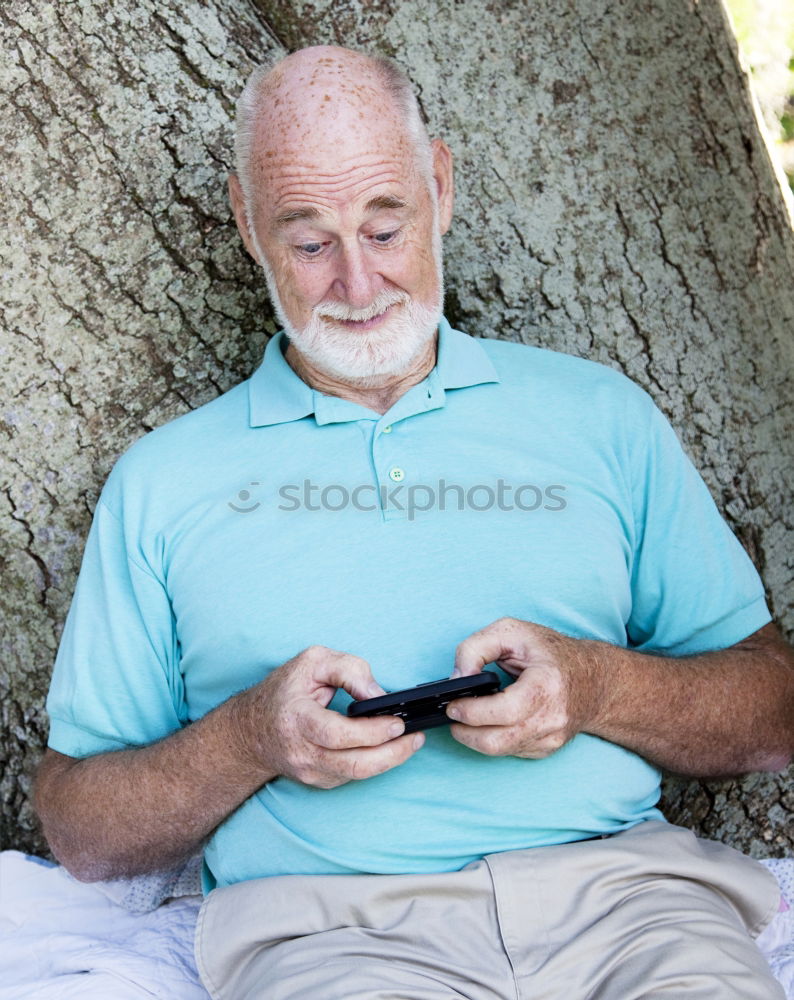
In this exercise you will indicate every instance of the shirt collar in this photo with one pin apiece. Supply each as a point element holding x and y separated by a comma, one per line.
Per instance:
<point>462,360</point>
<point>277,395</point>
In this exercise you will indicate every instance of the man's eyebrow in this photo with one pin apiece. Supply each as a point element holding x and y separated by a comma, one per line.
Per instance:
<point>296,215</point>
<point>384,202</point>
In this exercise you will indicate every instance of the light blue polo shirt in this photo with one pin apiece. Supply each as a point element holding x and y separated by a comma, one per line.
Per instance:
<point>511,481</point>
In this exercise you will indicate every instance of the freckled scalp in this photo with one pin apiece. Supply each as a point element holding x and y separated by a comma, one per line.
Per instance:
<point>320,102</point>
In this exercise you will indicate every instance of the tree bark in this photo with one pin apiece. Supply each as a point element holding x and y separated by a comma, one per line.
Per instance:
<point>615,201</point>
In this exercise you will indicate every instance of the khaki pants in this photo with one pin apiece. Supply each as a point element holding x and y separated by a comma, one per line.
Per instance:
<point>652,912</point>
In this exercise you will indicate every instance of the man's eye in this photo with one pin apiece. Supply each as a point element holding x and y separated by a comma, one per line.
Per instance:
<point>310,249</point>
<point>383,239</point>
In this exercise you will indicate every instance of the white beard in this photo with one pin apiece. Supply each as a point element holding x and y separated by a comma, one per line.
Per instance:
<point>365,357</point>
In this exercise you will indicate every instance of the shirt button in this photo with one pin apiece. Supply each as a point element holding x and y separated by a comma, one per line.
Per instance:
<point>396,474</point>
<point>387,429</point>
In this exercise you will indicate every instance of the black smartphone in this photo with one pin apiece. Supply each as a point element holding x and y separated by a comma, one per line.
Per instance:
<point>424,707</point>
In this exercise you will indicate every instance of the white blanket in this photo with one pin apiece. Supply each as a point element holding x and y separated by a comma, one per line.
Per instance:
<point>62,940</point>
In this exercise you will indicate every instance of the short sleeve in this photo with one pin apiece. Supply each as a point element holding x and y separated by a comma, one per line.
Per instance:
<point>694,587</point>
<point>116,681</point>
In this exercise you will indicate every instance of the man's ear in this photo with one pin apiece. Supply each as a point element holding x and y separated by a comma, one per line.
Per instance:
<point>237,198</point>
<point>444,181</point>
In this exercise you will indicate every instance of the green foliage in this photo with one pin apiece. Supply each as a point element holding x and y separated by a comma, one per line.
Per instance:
<point>764,30</point>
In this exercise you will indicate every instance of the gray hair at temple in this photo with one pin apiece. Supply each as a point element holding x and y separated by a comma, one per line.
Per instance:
<point>396,84</point>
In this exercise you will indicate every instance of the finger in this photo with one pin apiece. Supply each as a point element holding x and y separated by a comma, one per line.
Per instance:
<point>330,729</point>
<point>367,762</point>
<point>504,708</point>
<point>490,740</point>
<point>343,670</point>
<point>492,643</point>
<point>506,741</point>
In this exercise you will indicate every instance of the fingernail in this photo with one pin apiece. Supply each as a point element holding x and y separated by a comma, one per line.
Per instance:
<point>375,690</point>
<point>455,673</point>
<point>396,729</point>
<point>419,739</point>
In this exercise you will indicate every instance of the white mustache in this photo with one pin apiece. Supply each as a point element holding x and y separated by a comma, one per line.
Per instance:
<point>381,302</point>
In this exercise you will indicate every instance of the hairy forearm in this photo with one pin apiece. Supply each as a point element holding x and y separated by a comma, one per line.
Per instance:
<point>716,714</point>
<point>147,809</point>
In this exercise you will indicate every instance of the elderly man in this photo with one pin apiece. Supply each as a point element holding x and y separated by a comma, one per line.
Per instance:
<point>257,563</point>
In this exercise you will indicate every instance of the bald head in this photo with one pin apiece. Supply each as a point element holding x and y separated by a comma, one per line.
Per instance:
<point>322,98</point>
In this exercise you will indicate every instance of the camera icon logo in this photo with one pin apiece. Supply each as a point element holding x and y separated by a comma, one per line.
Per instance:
<point>249,502</point>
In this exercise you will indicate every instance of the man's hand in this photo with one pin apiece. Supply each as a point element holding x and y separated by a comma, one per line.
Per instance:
<point>149,808</point>
<point>713,714</point>
<point>289,727</point>
<point>554,697</point>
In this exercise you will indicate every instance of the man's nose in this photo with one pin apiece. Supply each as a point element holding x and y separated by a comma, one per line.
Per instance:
<point>358,280</point>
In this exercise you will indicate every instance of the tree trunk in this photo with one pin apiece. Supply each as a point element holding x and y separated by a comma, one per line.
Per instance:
<point>615,201</point>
